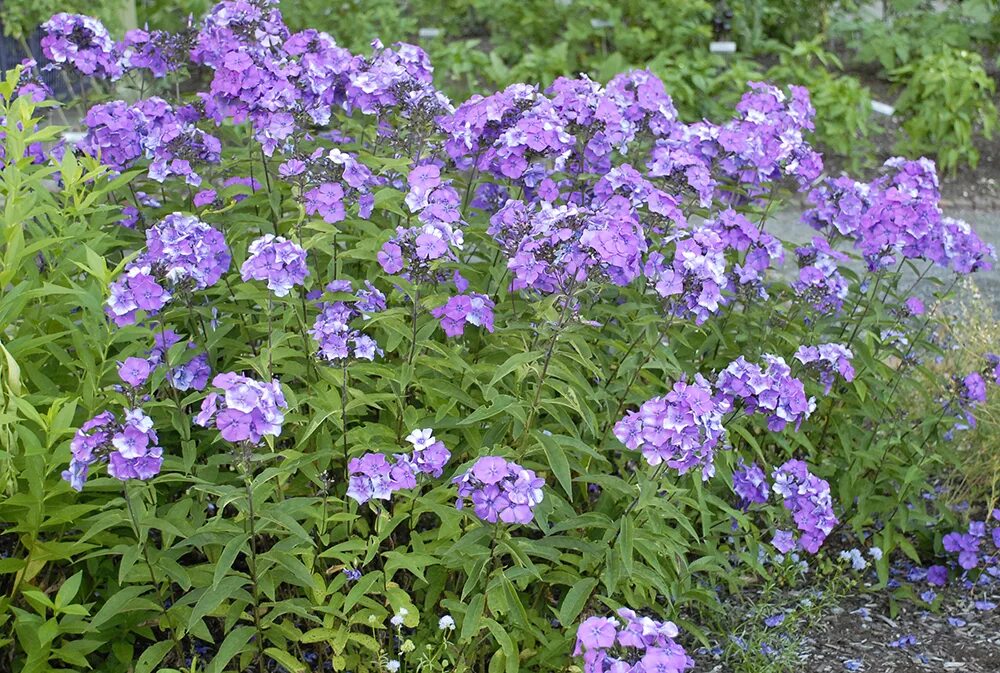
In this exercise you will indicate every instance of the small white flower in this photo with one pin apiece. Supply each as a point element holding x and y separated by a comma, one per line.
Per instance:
<point>392,666</point>
<point>446,622</point>
<point>875,553</point>
<point>397,619</point>
<point>421,439</point>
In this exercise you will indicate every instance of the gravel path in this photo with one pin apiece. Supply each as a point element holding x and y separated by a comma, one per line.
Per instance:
<point>859,634</point>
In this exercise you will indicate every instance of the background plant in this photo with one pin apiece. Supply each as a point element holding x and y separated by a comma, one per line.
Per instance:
<point>249,552</point>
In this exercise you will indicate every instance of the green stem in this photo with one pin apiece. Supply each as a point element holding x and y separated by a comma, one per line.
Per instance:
<point>144,548</point>
<point>250,526</point>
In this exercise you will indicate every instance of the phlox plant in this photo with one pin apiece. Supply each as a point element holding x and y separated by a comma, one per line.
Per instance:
<point>308,367</point>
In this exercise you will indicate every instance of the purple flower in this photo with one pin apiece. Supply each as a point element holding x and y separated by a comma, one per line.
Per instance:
<point>750,483</point>
<point>134,371</point>
<point>192,374</point>
<point>650,643</point>
<point>83,43</point>
<point>129,446</point>
<point>244,410</point>
<point>472,309</point>
<point>327,201</point>
<point>500,490</point>
<point>915,306</point>
<point>375,477</point>
<point>280,262</point>
<point>682,429</point>
<point>828,360</point>
<point>937,575</point>
<point>772,391</point>
<point>183,249</point>
<point>807,498</point>
<point>133,291</point>
<point>337,339</point>
<point>783,541</point>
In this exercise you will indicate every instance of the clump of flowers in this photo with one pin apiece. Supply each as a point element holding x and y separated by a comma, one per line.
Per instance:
<point>277,260</point>
<point>820,281</point>
<point>681,429</point>
<point>500,490</point>
<point>807,498</point>
<point>750,483</point>
<point>375,477</point>
<point>129,446</point>
<point>828,360</point>
<point>158,51</point>
<point>691,283</point>
<point>182,253</point>
<point>120,134</point>
<point>465,309</point>
<point>83,43</point>
<point>332,330</point>
<point>630,643</point>
<point>245,410</point>
<point>772,391</point>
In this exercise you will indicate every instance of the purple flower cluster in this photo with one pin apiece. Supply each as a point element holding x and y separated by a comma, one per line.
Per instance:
<point>185,250</point>
<point>993,367</point>
<point>629,643</point>
<point>135,290</point>
<point>554,248</point>
<point>332,330</point>
<point>820,281</point>
<point>763,144</point>
<point>83,43</point>
<point>129,445</point>
<point>772,391</point>
<point>898,213</point>
<point>465,309</point>
<point>192,374</point>
<point>523,135</point>
<point>750,483</point>
<point>120,134</point>
<point>157,51</point>
<point>692,283</point>
<point>182,253</point>
<point>340,180</point>
<point>828,360</point>
<point>969,392</point>
<point>277,260</point>
<point>807,498</point>
<point>758,250</point>
<point>246,410</point>
<point>681,429</point>
<point>500,490</point>
<point>375,477</point>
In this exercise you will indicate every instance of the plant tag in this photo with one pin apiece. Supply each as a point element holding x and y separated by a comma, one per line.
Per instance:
<point>883,109</point>
<point>722,47</point>
<point>601,23</point>
<point>427,33</point>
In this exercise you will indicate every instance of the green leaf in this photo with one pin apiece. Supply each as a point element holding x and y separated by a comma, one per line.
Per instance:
<point>575,600</point>
<point>358,591</point>
<point>286,660</point>
<point>558,462</point>
<point>151,657</point>
<point>473,618</point>
<point>231,647</point>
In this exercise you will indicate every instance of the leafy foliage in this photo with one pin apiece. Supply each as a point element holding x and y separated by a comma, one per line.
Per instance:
<point>251,557</point>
